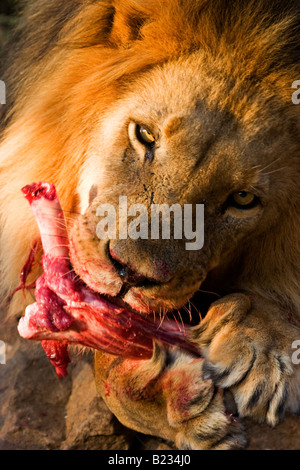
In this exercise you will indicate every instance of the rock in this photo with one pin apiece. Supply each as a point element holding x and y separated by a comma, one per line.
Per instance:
<point>285,436</point>
<point>32,401</point>
<point>89,423</point>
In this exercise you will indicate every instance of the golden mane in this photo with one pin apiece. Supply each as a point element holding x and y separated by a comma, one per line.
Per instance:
<point>255,38</point>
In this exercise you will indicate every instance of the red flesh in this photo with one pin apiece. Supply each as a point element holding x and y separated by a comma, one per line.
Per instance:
<point>67,311</point>
<point>27,270</point>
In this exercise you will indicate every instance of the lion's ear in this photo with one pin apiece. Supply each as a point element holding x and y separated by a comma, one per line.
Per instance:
<point>128,22</point>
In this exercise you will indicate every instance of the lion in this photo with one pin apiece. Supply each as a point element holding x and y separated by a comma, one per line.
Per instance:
<point>169,102</point>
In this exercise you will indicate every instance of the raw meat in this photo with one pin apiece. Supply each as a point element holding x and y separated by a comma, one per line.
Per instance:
<point>67,311</point>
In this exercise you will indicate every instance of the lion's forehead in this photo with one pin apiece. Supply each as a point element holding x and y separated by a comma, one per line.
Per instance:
<point>203,149</point>
<point>192,110</point>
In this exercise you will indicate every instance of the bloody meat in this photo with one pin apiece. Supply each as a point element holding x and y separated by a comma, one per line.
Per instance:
<point>67,311</point>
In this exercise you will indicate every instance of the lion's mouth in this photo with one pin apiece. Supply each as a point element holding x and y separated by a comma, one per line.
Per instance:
<point>67,311</point>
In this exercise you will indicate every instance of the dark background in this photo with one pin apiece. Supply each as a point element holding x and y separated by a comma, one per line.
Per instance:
<point>8,18</point>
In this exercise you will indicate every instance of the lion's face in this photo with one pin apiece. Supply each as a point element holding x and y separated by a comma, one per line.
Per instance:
<point>171,139</point>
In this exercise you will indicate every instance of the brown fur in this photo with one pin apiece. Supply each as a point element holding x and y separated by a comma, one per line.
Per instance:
<point>213,82</point>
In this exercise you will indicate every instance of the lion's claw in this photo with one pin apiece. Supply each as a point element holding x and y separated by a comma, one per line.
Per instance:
<point>214,429</point>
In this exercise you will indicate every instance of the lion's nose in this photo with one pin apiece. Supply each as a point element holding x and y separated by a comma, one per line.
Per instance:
<point>128,275</point>
<point>132,277</point>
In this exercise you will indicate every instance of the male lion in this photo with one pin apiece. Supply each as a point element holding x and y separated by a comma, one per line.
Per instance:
<point>169,102</point>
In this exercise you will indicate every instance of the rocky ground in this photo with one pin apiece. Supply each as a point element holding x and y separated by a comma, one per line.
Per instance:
<point>38,411</point>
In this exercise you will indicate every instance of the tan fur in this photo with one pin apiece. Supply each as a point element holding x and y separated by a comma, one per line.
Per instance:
<point>213,84</point>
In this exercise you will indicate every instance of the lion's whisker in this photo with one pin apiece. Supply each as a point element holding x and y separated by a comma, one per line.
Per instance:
<point>274,171</point>
<point>66,273</point>
<point>270,164</point>
<point>188,311</point>
<point>210,292</point>
<point>55,235</point>
<point>181,320</point>
<point>196,309</point>
<point>60,246</point>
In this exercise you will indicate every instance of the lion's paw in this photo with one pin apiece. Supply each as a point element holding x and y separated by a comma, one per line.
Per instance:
<point>248,351</point>
<point>197,410</point>
<point>214,429</point>
<point>168,397</point>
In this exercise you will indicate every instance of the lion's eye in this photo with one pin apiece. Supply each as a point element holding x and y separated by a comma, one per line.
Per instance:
<point>243,200</point>
<point>144,136</point>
